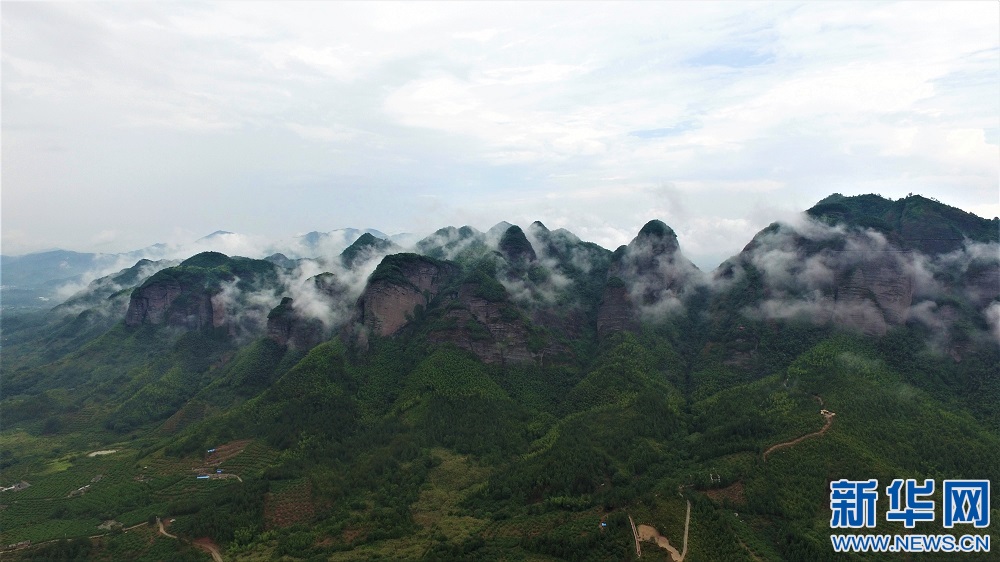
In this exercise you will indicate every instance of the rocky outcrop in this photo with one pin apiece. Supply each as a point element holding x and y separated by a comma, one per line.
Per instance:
<point>646,277</point>
<point>388,307</point>
<point>478,325</point>
<point>149,304</point>
<point>196,294</point>
<point>982,283</point>
<point>170,302</point>
<point>400,284</point>
<point>515,247</point>
<point>494,330</point>
<point>616,313</point>
<point>287,326</point>
<point>873,296</point>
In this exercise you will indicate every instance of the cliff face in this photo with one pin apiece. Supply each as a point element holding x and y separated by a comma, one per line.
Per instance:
<point>649,273</point>
<point>191,295</point>
<point>400,284</point>
<point>387,307</point>
<point>493,330</point>
<point>873,296</point>
<point>616,313</point>
<point>173,303</point>
<point>484,328</point>
<point>149,305</point>
<point>982,284</point>
<point>287,326</point>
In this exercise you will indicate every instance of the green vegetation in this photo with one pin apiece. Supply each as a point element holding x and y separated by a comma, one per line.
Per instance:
<point>362,248</point>
<point>415,448</point>
<point>656,228</point>
<point>393,268</point>
<point>515,246</point>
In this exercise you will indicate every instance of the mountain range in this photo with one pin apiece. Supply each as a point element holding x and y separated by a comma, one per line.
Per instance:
<point>41,280</point>
<point>511,394</point>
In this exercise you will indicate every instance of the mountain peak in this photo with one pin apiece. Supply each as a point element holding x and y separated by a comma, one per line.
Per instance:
<point>515,246</point>
<point>657,228</point>
<point>206,259</point>
<point>216,234</point>
<point>913,222</point>
<point>363,248</point>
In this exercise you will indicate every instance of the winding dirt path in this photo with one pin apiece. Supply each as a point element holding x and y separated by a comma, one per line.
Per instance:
<point>204,544</point>
<point>829,421</point>
<point>162,530</point>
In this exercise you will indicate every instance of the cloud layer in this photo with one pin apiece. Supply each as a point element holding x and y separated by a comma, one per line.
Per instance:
<point>125,122</point>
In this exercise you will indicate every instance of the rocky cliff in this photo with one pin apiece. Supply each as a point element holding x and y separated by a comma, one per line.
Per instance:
<point>400,284</point>
<point>169,301</point>
<point>649,275</point>
<point>873,295</point>
<point>494,330</point>
<point>191,295</point>
<point>982,283</point>
<point>616,312</point>
<point>287,326</point>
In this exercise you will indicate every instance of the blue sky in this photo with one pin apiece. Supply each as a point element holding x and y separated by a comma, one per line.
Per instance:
<point>126,124</point>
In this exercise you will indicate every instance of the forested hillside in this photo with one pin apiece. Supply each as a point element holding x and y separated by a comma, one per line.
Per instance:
<point>518,394</point>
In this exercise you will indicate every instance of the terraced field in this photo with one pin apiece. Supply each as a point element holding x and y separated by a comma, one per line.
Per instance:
<point>70,496</point>
<point>287,503</point>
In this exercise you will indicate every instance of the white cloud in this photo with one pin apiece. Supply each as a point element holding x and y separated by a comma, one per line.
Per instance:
<point>274,118</point>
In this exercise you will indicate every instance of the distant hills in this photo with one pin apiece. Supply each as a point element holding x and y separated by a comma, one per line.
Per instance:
<point>41,280</point>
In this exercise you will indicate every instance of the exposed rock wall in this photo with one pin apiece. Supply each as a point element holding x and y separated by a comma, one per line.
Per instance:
<point>150,304</point>
<point>287,327</point>
<point>616,313</point>
<point>488,329</point>
<point>873,296</point>
<point>983,285</point>
<point>170,303</point>
<point>390,301</point>
<point>388,307</point>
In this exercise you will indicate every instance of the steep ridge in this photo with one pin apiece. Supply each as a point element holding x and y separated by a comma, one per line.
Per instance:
<point>566,383</point>
<point>400,284</point>
<point>648,277</point>
<point>192,295</point>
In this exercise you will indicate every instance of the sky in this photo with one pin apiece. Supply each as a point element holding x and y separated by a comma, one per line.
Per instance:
<point>129,124</point>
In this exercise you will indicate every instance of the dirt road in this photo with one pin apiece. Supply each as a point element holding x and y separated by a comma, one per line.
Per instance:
<point>649,533</point>
<point>206,544</point>
<point>829,421</point>
<point>635,534</point>
<point>687,526</point>
<point>162,530</point>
